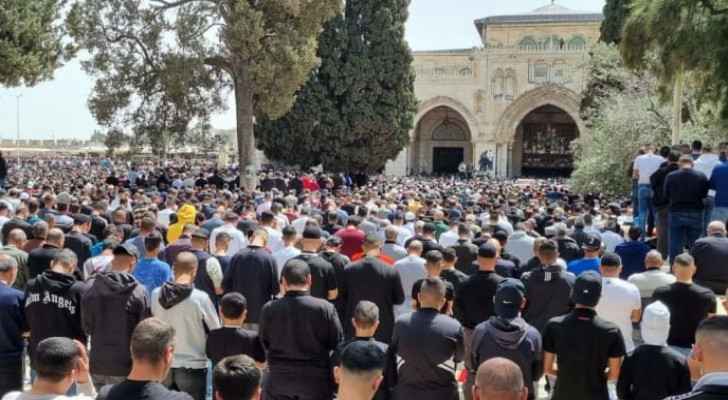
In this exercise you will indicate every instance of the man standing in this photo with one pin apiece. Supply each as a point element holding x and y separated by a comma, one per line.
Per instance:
<point>474,300</point>
<point>466,251</point>
<point>686,190</point>
<point>428,345</point>
<point>289,250</point>
<point>323,276</point>
<point>654,277</point>
<point>15,241</point>
<point>192,315</point>
<point>113,305</point>
<point>12,327</point>
<point>710,255</point>
<point>661,203</point>
<point>298,332</point>
<point>391,247</point>
<point>449,272</point>
<point>352,237</point>
<point>590,262</point>
<point>152,351</point>
<point>507,335</point>
<point>719,183</point>
<point>76,240</point>
<point>711,356</point>
<point>411,269</point>
<point>237,238</point>
<point>706,163</point>
<point>632,253</point>
<point>236,378</point>
<point>253,273</point>
<point>373,280</point>
<point>620,303</point>
<point>688,304</point>
<point>548,288</point>
<point>360,372</point>
<point>585,346</point>
<point>150,271</point>
<point>39,260</point>
<point>644,166</point>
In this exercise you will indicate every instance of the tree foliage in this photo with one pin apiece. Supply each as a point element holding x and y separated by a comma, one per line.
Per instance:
<point>163,66</point>
<point>685,36</point>
<point>624,117</point>
<point>32,41</point>
<point>113,140</point>
<point>356,111</point>
<point>615,15</point>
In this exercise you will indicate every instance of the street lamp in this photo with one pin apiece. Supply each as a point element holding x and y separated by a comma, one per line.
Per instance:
<point>17,140</point>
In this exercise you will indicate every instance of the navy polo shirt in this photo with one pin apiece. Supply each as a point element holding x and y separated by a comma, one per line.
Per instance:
<point>12,322</point>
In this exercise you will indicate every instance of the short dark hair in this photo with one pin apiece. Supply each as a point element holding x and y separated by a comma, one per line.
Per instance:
<point>233,305</point>
<point>54,358</point>
<point>289,231</point>
<point>362,357</point>
<point>236,377</point>
<point>449,254</point>
<point>433,256</point>
<point>152,241</point>
<point>635,232</point>
<point>684,260</point>
<point>429,228</point>
<point>434,287</point>
<point>150,340</point>
<point>296,272</point>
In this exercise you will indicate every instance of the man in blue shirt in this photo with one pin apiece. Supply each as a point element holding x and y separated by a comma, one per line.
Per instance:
<point>632,253</point>
<point>590,262</point>
<point>150,271</point>
<point>719,183</point>
<point>12,326</point>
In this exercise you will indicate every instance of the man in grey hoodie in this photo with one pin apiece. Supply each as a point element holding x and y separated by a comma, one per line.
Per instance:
<point>191,314</point>
<point>111,308</point>
<point>509,336</point>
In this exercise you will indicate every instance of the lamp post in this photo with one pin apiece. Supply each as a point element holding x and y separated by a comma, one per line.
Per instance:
<point>17,139</point>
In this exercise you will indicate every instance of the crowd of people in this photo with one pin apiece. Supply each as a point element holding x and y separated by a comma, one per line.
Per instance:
<point>163,280</point>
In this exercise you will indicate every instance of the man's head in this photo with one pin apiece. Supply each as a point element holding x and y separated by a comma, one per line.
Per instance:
<point>499,379</point>
<point>185,266</point>
<point>372,244</point>
<point>40,230</point>
<point>360,372</point>
<point>56,237</point>
<point>592,246</point>
<point>390,233</point>
<point>711,345</point>
<point>433,262</point>
<point>56,361</point>
<point>290,235</point>
<point>587,289</point>
<point>510,298</point>
<point>259,238</point>
<point>716,228</point>
<point>236,378</point>
<point>64,262</point>
<point>548,252</point>
<point>684,267</point>
<point>199,239</point>
<point>8,269</point>
<point>311,239</point>
<point>82,223</point>
<point>634,233</point>
<point>685,161</point>
<point>153,243</point>
<point>653,260</point>
<point>414,248</point>
<point>222,242</point>
<point>488,255</point>
<point>449,257</point>
<point>464,232</point>
<point>152,345</point>
<point>296,275</point>
<point>233,308</point>
<point>333,243</point>
<point>366,318</point>
<point>125,258</point>
<point>17,238</point>
<point>611,265</point>
<point>432,294</point>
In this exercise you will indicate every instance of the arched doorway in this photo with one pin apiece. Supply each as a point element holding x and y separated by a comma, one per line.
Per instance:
<point>542,144</point>
<point>442,141</point>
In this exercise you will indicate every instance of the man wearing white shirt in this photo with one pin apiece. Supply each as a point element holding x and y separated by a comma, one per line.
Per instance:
<point>403,234</point>
<point>644,166</point>
<point>275,239</point>
<point>411,269</point>
<point>300,222</point>
<point>653,278</point>
<point>706,163</point>
<point>289,250</point>
<point>620,303</point>
<point>612,236</point>
<point>450,237</point>
<point>238,241</point>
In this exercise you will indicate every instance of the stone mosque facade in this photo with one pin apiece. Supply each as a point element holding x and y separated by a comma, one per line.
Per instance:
<point>509,108</point>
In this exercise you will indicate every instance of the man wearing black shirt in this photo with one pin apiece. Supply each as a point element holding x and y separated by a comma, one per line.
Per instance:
<point>585,345</point>
<point>710,255</point>
<point>659,201</point>
<point>686,190</point>
<point>373,280</point>
<point>465,251</point>
<point>323,276</point>
<point>298,332</point>
<point>428,345</point>
<point>253,273</point>
<point>232,339</point>
<point>12,328</point>
<point>433,265</point>
<point>449,272</point>
<point>688,303</point>
<point>237,378</point>
<point>474,299</point>
<point>152,351</point>
<point>332,254</point>
<point>39,260</point>
<point>76,240</point>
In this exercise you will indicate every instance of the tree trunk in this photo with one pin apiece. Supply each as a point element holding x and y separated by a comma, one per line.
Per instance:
<point>245,133</point>
<point>677,100</point>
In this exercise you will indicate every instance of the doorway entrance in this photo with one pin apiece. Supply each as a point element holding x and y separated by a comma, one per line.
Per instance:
<point>446,160</point>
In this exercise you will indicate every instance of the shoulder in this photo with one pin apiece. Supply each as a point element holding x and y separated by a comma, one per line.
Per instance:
<point>692,395</point>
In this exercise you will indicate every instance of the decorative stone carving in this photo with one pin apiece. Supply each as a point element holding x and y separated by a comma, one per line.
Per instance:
<point>444,72</point>
<point>450,132</point>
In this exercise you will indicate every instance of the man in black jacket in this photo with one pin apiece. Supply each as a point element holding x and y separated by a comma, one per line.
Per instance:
<point>53,302</point>
<point>39,260</point>
<point>657,181</point>
<point>686,189</point>
<point>113,305</point>
<point>298,332</point>
<point>465,251</point>
<point>76,239</point>
<point>710,356</point>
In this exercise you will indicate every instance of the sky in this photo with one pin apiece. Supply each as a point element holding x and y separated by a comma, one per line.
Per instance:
<point>57,108</point>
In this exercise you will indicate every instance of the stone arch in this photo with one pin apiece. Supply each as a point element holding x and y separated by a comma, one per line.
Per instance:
<point>457,106</point>
<point>550,94</point>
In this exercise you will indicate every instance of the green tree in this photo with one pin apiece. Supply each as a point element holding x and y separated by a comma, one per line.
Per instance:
<point>357,109</point>
<point>615,15</point>
<point>114,139</point>
<point>164,64</point>
<point>32,44</point>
